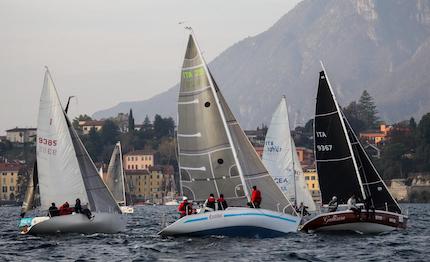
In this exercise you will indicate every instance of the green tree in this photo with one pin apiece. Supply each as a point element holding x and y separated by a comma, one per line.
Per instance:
<point>93,143</point>
<point>163,127</point>
<point>109,133</point>
<point>75,122</point>
<point>353,113</point>
<point>130,122</point>
<point>423,142</point>
<point>367,110</point>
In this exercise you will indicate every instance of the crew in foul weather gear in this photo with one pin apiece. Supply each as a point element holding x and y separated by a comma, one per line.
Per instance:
<point>222,204</point>
<point>209,204</point>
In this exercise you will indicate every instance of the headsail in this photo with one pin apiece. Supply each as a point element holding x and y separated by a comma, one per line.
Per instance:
<point>115,175</point>
<point>206,160</point>
<point>30,194</point>
<point>66,172</point>
<point>342,164</point>
<point>281,160</point>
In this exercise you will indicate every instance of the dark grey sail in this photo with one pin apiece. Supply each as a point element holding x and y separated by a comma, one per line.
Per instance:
<point>115,179</point>
<point>334,161</point>
<point>253,169</point>
<point>30,194</point>
<point>99,197</point>
<point>206,159</point>
<point>374,187</point>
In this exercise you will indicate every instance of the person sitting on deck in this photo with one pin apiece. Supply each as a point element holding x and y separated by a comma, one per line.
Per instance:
<point>65,209</point>
<point>209,204</point>
<point>53,210</point>
<point>80,210</point>
<point>332,205</point>
<point>185,208</point>
<point>352,204</point>
<point>222,204</point>
<point>255,198</point>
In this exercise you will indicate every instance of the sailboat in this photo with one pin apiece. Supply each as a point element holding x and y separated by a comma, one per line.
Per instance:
<point>344,169</point>
<point>65,173</point>
<point>281,159</point>
<point>116,180</point>
<point>216,157</point>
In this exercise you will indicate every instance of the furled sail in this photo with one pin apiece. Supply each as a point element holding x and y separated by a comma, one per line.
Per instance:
<point>66,172</point>
<point>115,175</point>
<point>30,194</point>
<point>206,159</point>
<point>335,163</point>
<point>281,159</point>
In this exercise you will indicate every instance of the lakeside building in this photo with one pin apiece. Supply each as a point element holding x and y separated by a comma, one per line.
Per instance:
<point>9,181</point>
<point>147,185</point>
<point>376,137</point>
<point>21,135</point>
<point>139,160</point>
<point>86,126</point>
<point>311,179</point>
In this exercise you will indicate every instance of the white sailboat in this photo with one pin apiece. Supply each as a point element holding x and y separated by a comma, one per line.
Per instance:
<point>216,157</point>
<point>281,159</point>
<point>116,180</point>
<point>66,173</point>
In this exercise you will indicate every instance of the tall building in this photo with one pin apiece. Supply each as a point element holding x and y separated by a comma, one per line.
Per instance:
<point>9,181</point>
<point>138,160</point>
<point>311,178</point>
<point>147,184</point>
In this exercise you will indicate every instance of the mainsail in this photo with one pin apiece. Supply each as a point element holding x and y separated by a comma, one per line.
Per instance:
<point>215,156</point>
<point>66,172</point>
<point>115,179</point>
<point>281,159</point>
<point>342,164</point>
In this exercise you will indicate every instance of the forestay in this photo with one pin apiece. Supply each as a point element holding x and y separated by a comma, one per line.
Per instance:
<point>281,159</point>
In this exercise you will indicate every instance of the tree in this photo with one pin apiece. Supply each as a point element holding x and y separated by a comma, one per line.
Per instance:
<point>109,133</point>
<point>367,110</point>
<point>93,143</point>
<point>352,113</point>
<point>130,121</point>
<point>163,126</point>
<point>76,120</point>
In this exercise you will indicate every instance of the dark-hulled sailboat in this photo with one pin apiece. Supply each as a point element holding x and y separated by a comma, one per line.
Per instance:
<point>216,157</point>
<point>344,169</point>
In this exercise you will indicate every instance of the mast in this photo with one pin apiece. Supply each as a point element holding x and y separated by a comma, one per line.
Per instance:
<point>339,113</point>
<point>242,178</point>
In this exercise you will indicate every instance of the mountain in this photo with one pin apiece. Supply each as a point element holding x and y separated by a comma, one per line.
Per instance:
<point>381,46</point>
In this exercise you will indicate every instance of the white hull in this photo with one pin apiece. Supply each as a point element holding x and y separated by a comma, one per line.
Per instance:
<point>234,222</point>
<point>77,223</point>
<point>127,209</point>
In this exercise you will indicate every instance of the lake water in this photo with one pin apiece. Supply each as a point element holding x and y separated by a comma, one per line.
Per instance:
<point>140,242</point>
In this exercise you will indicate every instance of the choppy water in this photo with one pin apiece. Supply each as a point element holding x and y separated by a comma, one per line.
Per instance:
<point>140,242</point>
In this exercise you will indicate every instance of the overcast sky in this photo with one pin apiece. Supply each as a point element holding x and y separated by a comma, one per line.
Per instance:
<point>105,52</point>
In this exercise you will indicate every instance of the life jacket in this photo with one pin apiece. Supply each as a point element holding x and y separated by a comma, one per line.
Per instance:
<point>182,206</point>
<point>222,204</point>
<point>211,203</point>
<point>256,196</point>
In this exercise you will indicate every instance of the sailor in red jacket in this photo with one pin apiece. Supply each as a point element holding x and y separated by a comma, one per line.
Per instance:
<point>255,197</point>
<point>185,208</point>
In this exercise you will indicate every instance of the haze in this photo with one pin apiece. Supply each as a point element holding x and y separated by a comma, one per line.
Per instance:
<point>106,52</point>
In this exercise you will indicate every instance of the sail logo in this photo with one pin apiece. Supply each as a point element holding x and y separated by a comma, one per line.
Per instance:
<point>193,73</point>
<point>321,134</point>
<point>272,148</point>
<point>333,218</point>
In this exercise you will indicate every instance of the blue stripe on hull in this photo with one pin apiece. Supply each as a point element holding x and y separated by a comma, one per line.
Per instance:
<point>239,231</point>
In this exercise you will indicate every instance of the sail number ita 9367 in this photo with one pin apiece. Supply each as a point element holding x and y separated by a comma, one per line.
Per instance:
<point>324,147</point>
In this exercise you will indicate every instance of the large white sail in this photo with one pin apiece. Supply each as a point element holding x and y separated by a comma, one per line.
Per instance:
<point>60,178</point>
<point>281,159</point>
<point>115,175</point>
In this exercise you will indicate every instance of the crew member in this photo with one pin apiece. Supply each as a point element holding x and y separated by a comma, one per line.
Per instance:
<point>185,208</point>
<point>222,204</point>
<point>352,204</point>
<point>65,209</point>
<point>82,210</point>
<point>255,197</point>
<point>332,205</point>
<point>53,210</point>
<point>303,210</point>
<point>209,204</point>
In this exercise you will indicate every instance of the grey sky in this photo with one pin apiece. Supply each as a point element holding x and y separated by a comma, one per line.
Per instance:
<point>105,52</point>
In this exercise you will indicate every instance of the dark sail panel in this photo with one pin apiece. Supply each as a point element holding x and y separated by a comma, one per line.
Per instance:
<point>30,194</point>
<point>373,184</point>
<point>335,166</point>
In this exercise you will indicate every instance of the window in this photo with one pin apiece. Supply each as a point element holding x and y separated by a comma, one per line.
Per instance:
<point>313,185</point>
<point>149,157</point>
<point>4,174</point>
<point>4,189</point>
<point>306,178</point>
<point>12,188</point>
<point>312,177</point>
<point>142,159</point>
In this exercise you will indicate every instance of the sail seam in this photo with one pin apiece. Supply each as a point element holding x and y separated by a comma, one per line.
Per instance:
<point>205,153</point>
<point>334,159</point>
<point>194,92</point>
<point>326,114</point>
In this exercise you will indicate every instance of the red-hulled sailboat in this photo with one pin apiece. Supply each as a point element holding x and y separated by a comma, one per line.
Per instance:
<point>344,169</point>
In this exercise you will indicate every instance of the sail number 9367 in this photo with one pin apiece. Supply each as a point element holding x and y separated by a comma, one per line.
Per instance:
<point>324,147</point>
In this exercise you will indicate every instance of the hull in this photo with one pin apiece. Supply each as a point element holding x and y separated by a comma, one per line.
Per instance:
<point>172,203</point>
<point>245,222</point>
<point>127,209</point>
<point>75,223</point>
<point>363,222</point>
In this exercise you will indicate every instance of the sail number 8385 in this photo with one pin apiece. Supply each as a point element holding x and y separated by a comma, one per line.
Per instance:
<point>324,147</point>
